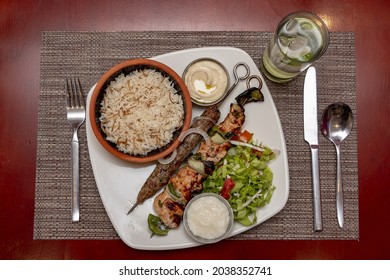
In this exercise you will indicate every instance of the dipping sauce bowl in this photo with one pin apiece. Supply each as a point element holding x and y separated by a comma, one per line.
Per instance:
<point>207,81</point>
<point>208,218</point>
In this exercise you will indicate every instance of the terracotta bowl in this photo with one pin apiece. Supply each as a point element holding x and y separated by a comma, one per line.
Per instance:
<point>126,68</point>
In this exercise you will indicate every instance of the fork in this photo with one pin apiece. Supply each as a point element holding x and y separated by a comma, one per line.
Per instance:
<point>75,113</point>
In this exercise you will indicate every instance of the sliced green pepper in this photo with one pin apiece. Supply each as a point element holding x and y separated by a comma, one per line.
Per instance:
<point>172,190</point>
<point>156,225</point>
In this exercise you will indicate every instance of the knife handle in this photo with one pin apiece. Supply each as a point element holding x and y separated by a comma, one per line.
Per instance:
<point>316,188</point>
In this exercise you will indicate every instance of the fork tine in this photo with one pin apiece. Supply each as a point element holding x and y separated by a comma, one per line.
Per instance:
<point>68,95</point>
<point>74,92</point>
<point>80,92</point>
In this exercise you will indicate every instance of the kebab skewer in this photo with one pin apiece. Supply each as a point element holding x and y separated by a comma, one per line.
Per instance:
<point>188,181</point>
<point>163,172</point>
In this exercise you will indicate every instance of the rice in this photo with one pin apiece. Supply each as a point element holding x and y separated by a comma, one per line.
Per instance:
<point>141,111</point>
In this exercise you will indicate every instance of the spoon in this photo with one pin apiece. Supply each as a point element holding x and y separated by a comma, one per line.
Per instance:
<point>337,121</point>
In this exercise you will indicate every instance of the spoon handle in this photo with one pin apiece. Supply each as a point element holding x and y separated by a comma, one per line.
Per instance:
<point>316,188</point>
<point>339,190</point>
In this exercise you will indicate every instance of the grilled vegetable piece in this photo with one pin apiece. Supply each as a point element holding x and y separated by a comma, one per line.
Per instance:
<point>203,167</point>
<point>218,138</point>
<point>250,95</point>
<point>156,225</point>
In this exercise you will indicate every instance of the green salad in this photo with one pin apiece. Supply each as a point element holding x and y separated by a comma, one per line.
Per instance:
<point>244,178</point>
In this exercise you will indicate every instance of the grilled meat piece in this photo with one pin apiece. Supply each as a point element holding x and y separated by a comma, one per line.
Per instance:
<point>186,182</point>
<point>234,120</point>
<point>214,152</point>
<point>229,126</point>
<point>168,210</point>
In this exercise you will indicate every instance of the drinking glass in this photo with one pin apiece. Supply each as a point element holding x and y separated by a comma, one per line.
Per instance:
<point>300,39</point>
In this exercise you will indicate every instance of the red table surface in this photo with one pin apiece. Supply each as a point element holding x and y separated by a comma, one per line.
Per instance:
<point>21,23</point>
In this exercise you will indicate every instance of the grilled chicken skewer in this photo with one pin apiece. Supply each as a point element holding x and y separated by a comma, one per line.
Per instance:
<point>162,172</point>
<point>169,204</point>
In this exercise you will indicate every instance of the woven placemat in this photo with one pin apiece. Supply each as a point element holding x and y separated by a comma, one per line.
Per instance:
<point>89,54</point>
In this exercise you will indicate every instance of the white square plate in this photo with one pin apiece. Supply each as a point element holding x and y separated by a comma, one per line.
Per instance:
<point>119,182</point>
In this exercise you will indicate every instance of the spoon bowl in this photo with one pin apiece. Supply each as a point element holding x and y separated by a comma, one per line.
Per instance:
<point>337,122</point>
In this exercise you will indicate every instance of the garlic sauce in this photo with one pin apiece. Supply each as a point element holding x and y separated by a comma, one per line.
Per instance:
<point>208,217</point>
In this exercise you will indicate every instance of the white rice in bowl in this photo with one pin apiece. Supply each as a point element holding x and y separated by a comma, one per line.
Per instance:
<point>141,111</point>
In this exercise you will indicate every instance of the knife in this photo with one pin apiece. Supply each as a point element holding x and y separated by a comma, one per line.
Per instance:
<point>311,137</point>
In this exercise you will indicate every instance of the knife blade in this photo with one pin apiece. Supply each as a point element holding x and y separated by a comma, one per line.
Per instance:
<point>311,137</point>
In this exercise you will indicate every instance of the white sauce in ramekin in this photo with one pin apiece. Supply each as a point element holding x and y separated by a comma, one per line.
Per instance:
<point>208,217</point>
<point>206,80</point>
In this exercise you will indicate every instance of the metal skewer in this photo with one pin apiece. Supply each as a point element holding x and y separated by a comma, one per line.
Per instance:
<point>132,208</point>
